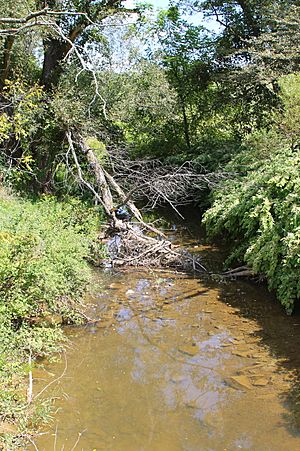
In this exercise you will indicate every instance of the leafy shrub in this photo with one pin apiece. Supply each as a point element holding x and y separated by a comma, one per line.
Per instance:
<point>43,246</point>
<point>260,208</point>
<point>43,272</point>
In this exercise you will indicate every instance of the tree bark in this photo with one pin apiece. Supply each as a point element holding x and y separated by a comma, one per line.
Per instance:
<point>100,179</point>
<point>181,97</point>
<point>5,63</point>
<point>54,53</point>
<point>104,195</point>
<point>123,196</point>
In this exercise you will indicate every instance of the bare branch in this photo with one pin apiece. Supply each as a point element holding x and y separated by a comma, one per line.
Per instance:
<point>16,31</point>
<point>84,66</point>
<point>78,439</point>
<point>161,184</point>
<point>55,380</point>
<point>34,15</point>
<point>80,176</point>
<point>30,19</point>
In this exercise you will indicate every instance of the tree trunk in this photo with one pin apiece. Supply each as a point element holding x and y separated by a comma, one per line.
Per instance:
<point>55,51</point>
<point>100,179</point>
<point>5,63</point>
<point>123,196</point>
<point>185,123</point>
<point>181,97</point>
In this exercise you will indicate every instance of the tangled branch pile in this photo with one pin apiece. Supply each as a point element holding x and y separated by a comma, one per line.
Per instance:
<point>134,244</point>
<point>160,184</point>
<point>132,247</point>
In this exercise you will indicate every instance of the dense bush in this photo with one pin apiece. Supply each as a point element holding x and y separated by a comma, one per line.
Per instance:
<point>43,246</point>
<point>43,272</point>
<point>259,209</point>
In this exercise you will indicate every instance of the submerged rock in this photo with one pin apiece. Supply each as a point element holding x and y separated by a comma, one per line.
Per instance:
<point>261,382</point>
<point>189,349</point>
<point>240,382</point>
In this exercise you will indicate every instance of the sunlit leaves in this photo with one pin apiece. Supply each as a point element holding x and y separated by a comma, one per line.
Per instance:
<point>260,208</point>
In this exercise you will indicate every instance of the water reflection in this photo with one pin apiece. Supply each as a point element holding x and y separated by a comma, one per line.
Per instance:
<point>179,364</point>
<point>174,364</point>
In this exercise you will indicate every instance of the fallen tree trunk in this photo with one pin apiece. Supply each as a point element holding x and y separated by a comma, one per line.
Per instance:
<point>80,175</point>
<point>128,244</point>
<point>241,271</point>
<point>105,197</point>
<point>100,178</point>
<point>123,196</point>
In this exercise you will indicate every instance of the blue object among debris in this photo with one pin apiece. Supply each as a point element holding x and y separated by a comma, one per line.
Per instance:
<point>123,213</point>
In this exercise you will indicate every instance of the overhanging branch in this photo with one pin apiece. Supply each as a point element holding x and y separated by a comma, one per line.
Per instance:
<point>30,20</point>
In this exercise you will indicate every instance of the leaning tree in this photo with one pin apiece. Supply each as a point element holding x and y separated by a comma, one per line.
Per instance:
<point>61,33</point>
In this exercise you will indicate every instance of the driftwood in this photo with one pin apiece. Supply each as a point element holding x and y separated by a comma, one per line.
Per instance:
<point>241,271</point>
<point>128,244</point>
<point>134,248</point>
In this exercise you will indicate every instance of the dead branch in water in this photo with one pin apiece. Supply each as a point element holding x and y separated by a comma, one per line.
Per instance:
<point>57,379</point>
<point>241,271</point>
<point>128,244</point>
<point>135,249</point>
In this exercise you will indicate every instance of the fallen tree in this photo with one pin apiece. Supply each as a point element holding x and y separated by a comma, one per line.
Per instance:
<point>137,243</point>
<point>160,184</point>
<point>237,273</point>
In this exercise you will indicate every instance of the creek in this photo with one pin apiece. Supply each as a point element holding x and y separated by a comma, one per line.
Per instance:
<point>177,363</point>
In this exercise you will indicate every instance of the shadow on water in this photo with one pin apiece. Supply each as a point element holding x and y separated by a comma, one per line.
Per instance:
<point>179,363</point>
<point>276,331</point>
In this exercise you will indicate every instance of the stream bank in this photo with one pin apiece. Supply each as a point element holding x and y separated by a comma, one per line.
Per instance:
<point>177,363</point>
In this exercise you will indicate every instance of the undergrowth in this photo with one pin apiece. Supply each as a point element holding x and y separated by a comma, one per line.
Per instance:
<point>44,271</point>
<point>259,208</point>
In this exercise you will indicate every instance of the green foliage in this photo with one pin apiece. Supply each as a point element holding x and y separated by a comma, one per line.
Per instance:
<point>18,129</point>
<point>259,208</point>
<point>42,255</point>
<point>185,55</point>
<point>26,101</point>
<point>16,8</point>
<point>98,148</point>
<point>44,246</point>
<point>143,105</point>
<point>288,122</point>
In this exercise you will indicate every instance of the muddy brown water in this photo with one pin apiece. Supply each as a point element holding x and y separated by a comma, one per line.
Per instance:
<point>177,363</point>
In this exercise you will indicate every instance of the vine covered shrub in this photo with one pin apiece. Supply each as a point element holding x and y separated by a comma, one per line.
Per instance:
<point>261,213</point>
<point>259,209</point>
